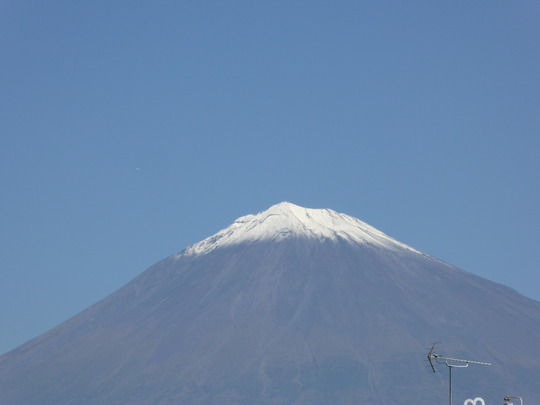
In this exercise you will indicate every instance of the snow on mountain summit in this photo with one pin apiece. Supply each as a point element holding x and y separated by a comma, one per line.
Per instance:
<point>285,220</point>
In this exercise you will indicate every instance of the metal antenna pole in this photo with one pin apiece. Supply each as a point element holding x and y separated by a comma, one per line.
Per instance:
<point>450,363</point>
<point>450,385</point>
<point>450,367</point>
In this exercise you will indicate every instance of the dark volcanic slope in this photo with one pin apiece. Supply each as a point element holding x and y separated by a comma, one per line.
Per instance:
<point>290,306</point>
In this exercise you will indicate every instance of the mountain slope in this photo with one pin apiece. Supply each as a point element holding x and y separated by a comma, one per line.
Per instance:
<point>289,306</point>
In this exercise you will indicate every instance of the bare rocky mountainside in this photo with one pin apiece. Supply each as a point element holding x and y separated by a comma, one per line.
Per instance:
<point>288,306</point>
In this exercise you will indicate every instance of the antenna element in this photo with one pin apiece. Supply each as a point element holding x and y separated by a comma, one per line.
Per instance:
<point>450,362</point>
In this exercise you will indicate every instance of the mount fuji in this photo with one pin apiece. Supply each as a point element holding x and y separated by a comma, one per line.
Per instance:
<point>288,306</point>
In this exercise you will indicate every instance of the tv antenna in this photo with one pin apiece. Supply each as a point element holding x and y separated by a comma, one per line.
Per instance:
<point>451,363</point>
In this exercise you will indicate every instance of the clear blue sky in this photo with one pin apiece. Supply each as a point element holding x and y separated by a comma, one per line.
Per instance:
<point>132,129</point>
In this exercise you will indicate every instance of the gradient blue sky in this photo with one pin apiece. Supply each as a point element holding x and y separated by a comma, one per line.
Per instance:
<point>132,129</point>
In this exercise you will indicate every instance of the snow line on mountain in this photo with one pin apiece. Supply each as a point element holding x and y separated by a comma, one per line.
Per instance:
<point>286,220</point>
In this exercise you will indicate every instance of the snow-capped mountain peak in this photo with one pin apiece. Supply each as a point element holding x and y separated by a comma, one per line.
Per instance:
<point>285,220</point>
<point>326,310</point>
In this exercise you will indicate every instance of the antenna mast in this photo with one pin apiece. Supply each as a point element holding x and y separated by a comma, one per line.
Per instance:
<point>450,362</point>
